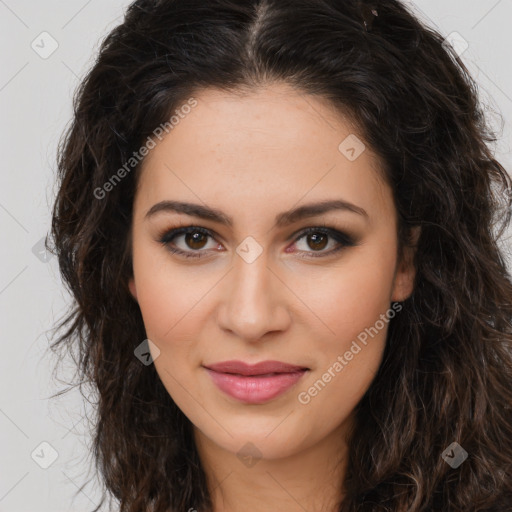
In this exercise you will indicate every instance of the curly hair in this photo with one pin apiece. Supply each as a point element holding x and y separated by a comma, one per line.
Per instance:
<point>446,373</point>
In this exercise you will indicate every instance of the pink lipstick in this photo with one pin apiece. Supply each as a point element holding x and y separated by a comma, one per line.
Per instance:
<point>254,384</point>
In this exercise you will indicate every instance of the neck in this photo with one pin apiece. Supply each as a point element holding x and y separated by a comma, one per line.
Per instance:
<point>309,479</point>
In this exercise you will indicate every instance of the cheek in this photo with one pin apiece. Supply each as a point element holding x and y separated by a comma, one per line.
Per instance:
<point>169,308</point>
<point>351,296</point>
<point>168,296</point>
<point>170,302</point>
<point>348,360</point>
<point>355,308</point>
<point>360,300</point>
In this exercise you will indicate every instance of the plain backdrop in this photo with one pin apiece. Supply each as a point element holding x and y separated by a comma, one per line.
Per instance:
<point>46,47</point>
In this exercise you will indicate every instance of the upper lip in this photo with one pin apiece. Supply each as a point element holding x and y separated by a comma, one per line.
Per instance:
<point>264,367</point>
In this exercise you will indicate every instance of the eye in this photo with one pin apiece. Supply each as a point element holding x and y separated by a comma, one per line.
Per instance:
<point>317,238</point>
<point>196,238</point>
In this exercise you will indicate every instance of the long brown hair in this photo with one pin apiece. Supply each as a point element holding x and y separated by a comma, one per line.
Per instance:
<point>446,375</point>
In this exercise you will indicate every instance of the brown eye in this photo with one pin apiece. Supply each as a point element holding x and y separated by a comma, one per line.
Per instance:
<point>196,239</point>
<point>317,241</point>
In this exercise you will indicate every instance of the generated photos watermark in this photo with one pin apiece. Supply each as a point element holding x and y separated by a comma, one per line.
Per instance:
<point>305,397</point>
<point>138,156</point>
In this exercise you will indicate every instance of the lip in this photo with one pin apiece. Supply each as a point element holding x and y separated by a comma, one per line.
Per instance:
<point>262,368</point>
<point>255,384</point>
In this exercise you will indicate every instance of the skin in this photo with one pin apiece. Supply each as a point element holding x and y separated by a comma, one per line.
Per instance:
<point>253,157</point>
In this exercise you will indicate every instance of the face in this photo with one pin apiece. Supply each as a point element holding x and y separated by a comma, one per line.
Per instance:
<point>268,276</point>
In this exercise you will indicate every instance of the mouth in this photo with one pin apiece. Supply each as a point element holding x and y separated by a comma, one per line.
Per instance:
<point>255,384</point>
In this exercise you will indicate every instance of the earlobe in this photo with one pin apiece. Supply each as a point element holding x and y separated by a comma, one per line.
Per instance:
<point>406,273</point>
<point>132,287</point>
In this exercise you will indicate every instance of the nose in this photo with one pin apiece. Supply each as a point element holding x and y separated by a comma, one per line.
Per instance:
<point>254,300</point>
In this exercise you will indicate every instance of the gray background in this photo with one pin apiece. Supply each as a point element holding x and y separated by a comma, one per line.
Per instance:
<point>35,102</point>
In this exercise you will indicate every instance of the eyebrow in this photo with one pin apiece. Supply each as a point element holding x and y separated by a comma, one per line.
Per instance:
<point>283,219</point>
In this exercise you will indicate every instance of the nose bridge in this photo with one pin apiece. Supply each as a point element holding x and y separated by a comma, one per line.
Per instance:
<point>252,306</point>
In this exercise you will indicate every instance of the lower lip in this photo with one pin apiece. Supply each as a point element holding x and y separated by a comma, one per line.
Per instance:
<point>254,389</point>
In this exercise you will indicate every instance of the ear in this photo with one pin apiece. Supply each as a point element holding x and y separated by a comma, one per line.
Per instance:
<point>132,287</point>
<point>406,272</point>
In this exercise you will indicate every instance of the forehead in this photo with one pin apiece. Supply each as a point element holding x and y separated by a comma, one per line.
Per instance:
<point>272,147</point>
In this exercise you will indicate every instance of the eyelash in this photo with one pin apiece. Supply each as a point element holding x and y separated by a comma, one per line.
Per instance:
<point>342,238</point>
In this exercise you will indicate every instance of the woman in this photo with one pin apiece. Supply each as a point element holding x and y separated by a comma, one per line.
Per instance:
<point>277,219</point>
